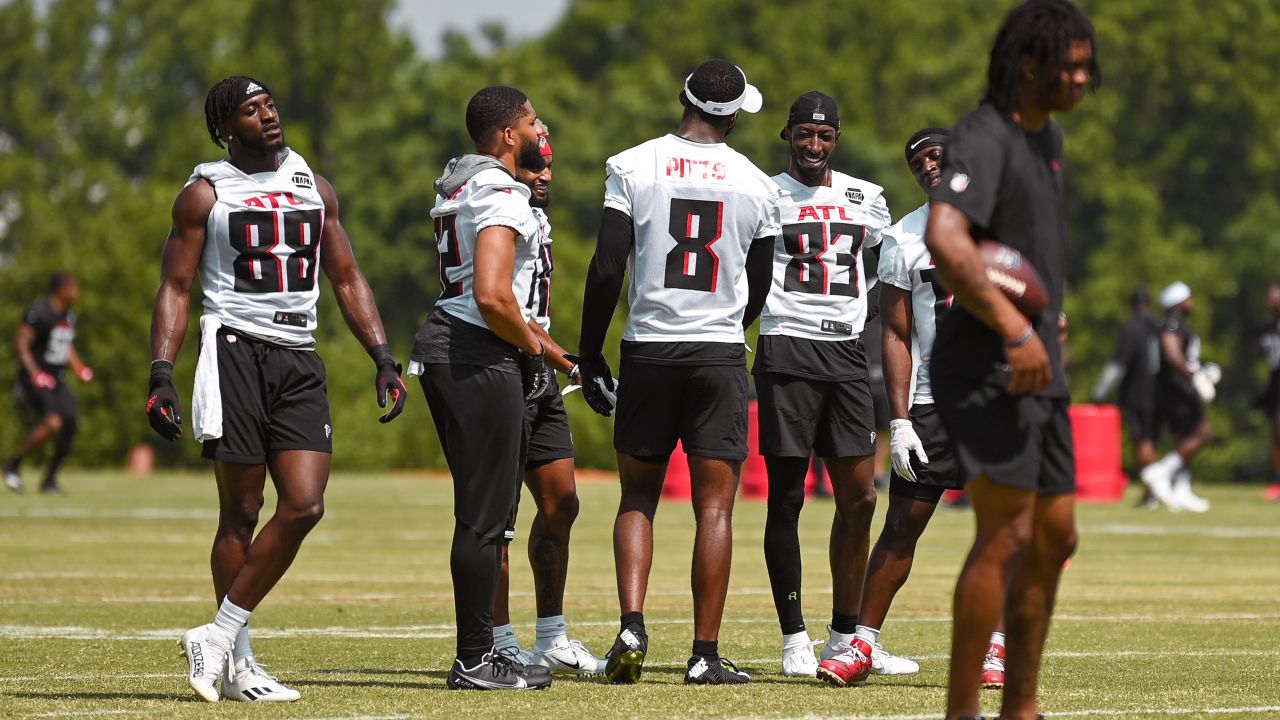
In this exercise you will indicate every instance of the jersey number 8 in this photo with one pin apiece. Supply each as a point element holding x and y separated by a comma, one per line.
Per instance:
<point>695,226</point>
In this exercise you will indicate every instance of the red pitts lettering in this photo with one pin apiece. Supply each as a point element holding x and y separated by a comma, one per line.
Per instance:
<point>823,212</point>
<point>690,168</point>
<point>273,200</point>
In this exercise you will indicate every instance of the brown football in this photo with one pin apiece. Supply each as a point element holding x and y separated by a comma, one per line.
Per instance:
<point>1008,270</point>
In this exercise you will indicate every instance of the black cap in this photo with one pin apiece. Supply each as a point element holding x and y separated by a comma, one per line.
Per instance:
<point>927,137</point>
<point>813,107</point>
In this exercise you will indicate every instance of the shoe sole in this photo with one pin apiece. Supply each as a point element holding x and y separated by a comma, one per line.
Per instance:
<point>992,686</point>
<point>200,692</point>
<point>832,678</point>
<point>628,669</point>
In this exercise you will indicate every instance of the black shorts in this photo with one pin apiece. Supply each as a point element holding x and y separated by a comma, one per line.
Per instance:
<point>942,472</point>
<point>1019,441</point>
<point>703,406</point>
<point>1141,424</point>
<point>547,427</point>
<point>879,402</point>
<point>57,400</point>
<point>274,398</point>
<point>1180,412</point>
<point>479,417</point>
<point>801,416</point>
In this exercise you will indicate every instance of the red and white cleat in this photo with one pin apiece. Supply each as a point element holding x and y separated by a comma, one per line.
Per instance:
<point>993,668</point>
<point>849,668</point>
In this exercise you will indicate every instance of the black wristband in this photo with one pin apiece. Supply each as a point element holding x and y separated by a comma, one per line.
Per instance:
<point>381,355</point>
<point>161,370</point>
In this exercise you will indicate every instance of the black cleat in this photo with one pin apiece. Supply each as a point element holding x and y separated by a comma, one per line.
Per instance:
<point>52,488</point>
<point>496,672</point>
<point>713,671</point>
<point>626,658</point>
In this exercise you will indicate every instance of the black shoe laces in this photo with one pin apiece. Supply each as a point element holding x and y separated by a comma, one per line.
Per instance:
<point>502,665</point>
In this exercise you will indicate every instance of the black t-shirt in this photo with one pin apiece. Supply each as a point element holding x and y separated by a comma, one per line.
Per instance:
<point>1269,345</point>
<point>446,339</point>
<point>1138,355</point>
<point>1008,181</point>
<point>55,333</point>
<point>1171,380</point>
<point>833,360</point>
<point>684,353</point>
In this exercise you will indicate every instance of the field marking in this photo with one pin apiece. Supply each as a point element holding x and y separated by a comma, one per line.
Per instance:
<point>1127,712</point>
<point>1230,533</point>
<point>86,513</point>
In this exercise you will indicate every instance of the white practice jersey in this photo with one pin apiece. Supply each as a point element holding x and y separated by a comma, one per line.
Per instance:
<point>818,288</point>
<point>262,249</point>
<point>905,263</point>
<point>538,303</point>
<point>490,198</point>
<point>695,208</point>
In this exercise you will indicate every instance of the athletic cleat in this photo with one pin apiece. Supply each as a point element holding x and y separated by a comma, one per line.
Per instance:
<point>568,656</point>
<point>13,480</point>
<point>51,489</point>
<point>849,668</point>
<point>1158,477</point>
<point>799,661</point>
<point>496,671</point>
<point>832,649</point>
<point>993,668</point>
<point>247,681</point>
<point>713,671</point>
<point>206,649</point>
<point>885,663</point>
<point>515,654</point>
<point>625,659</point>
<point>1182,495</point>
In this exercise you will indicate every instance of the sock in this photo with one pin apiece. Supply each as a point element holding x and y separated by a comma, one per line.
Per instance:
<point>505,636</point>
<point>799,639</point>
<point>230,619</point>
<point>633,621</point>
<point>782,539</point>
<point>997,638</point>
<point>870,634</point>
<point>549,631</point>
<point>242,649</point>
<point>843,624</point>
<point>14,464</point>
<point>1171,462</point>
<point>706,648</point>
<point>835,638</point>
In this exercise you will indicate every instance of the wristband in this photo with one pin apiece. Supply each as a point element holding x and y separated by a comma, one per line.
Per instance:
<point>1022,339</point>
<point>898,423</point>
<point>381,355</point>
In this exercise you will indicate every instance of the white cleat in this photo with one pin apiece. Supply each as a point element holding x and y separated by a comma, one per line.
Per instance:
<point>13,481</point>
<point>885,663</point>
<point>567,656</point>
<point>206,649</point>
<point>799,661</point>
<point>247,681</point>
<point>1159,480</point>
<point>1182,495</point>
<point>515,654</point>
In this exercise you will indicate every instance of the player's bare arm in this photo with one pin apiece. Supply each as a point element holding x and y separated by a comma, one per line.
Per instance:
<point>22,344</point>
<point>895,316</point>
<point>494,262</point>
<point>178,265</point>
<point>355,300</point>
<point>951,242</point>
<point>1171,349</point>
<point>555,353</point>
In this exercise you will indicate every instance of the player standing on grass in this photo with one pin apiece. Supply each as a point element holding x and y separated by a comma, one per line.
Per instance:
<point>46,346</point>
<point>811,374</point>
<point>997,375</point>
<point>686,211</point>
<point>481,362</point>
<point>1269,401</point>
<point>548,473</point>
<point>253,226</point>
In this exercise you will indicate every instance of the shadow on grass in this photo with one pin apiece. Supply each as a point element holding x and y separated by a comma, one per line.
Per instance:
<point>169,697</point>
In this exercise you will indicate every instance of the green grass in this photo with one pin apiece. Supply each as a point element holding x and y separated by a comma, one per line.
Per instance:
<point>1158,614</point>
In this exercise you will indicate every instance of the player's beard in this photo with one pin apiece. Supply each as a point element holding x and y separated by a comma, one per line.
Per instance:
<point>530,157</point>
<point>542,203</point>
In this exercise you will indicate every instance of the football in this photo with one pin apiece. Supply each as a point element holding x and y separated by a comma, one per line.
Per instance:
<point>1008,270</point>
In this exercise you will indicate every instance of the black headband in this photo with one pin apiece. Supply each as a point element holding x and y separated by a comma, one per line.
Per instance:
<point>247,87</point>
<point>927,137</point>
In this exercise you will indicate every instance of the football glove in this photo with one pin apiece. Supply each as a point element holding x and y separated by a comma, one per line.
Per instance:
<point>387,382</point>
<point>902,443</point>
<point>1205,381</point>
<point>44,381</point>
<point>534,375</point>
<point>163,404</point>
<point>85,374</point>
<point>598,387</point>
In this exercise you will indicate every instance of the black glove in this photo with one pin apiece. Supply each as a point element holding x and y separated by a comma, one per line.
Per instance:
<point>533,374</point>
<point>388,382</point>
<point>598,388</point>
<point>163,404</point>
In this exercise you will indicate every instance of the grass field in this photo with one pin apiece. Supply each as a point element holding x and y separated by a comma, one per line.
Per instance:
<point>1159,614</point>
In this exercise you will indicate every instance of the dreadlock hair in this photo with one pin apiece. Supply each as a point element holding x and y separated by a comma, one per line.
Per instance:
<point>221,103</point>
<point>493,108</point>
<point>1042,30</point>
<point>715,81</point>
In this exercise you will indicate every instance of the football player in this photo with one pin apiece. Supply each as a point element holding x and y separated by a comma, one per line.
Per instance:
<point>1269,401</point>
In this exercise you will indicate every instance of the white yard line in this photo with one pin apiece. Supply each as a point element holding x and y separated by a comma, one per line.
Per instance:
<point>1097,712</point>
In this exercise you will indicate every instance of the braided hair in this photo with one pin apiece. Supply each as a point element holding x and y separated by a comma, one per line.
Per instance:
<point>221,103</point>
<point>1044,31</point>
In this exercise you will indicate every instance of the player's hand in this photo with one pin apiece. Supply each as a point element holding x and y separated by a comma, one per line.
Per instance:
<point>1029,364</point>
<point>902,443</point>
<point>1205,381</point>
<point>387,383</point>
<point>163,405</point>
<point>85,373</point>
<point>534,375</point>
<point>44,381</point>
<point>598,387</point>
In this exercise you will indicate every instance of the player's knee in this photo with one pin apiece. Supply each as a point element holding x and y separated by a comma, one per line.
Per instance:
<point>562,511</point>
<point>305,514</point>
<point>53,422</point>
<point>859,504</point>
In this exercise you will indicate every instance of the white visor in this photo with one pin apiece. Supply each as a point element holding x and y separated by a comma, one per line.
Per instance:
<point>750,100</point>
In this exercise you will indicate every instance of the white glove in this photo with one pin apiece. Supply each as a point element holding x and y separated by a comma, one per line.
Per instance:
<point>902,443</point>
<point>1205,379</point>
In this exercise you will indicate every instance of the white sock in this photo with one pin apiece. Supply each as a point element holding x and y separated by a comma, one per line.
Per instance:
<point>230,619</point>
<point>1172,462</point>
<point>835,638</point>
<point>242,649</point>
<point>504,636</point>
<point>549,631</point>
<point>870,634</point>
<point>796,639</point>
<point>997,638</point>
